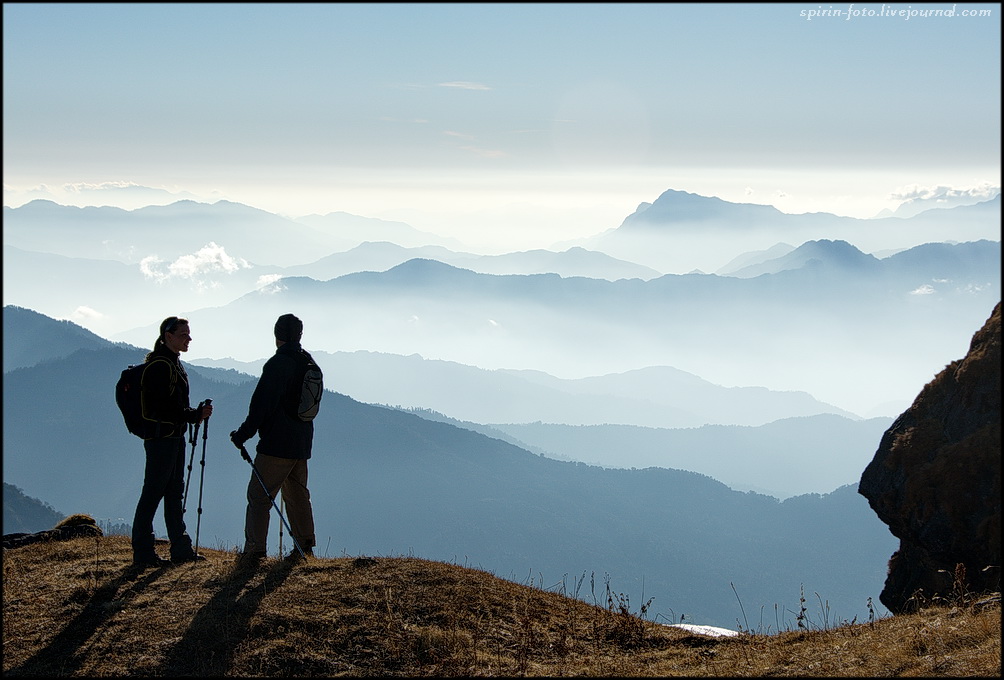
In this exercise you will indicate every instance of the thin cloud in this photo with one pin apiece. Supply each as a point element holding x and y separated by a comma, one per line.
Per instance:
<point>464,85</point>
<point>86,314</point>
<point>210,259</point>
<point>914,198</point>
<point>914,192</point>
<point>269,284</point>
<point>149,267</point>
<point>83,187</point>
<point>13,196</point>
<point>122,194</point>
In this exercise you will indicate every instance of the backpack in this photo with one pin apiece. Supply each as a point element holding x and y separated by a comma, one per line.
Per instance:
<point>306,399</point>
<point>127,397</point>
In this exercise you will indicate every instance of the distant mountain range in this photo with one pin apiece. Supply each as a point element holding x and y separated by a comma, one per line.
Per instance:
<point>680,232</point>
<point>843,324</point>
<point>384,482</point>
<point>793,443</point>
<point>824,317</point>
<point>383,255</point>
<point>785,443</point>
<point>167,232</point>
<point>358,230</point>
<point>181,228</point>
<point>754,258</point>
<point>101,282</point>
<point>657,396</point>
<point>677,233</point>
<point>785,458</point>
<point>113,290</point>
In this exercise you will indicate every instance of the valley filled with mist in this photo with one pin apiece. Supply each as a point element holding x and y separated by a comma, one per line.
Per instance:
<point>684,402</point>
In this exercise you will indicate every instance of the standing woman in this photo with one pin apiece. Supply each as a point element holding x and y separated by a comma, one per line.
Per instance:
<point>164,402</point>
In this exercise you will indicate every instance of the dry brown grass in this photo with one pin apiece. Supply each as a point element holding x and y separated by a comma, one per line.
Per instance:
<point>78,608</point>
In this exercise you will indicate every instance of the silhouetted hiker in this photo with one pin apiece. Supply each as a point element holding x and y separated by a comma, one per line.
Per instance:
<point>284,445</point>
<point>164,402</point>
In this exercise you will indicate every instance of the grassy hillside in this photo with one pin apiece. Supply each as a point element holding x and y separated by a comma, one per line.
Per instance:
<point>78,608</point>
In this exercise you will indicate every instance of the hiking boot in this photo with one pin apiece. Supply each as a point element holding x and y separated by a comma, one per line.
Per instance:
<point>194,557</point>
<point>151,561</point>
<point>249,559</point>
<point>295,556</point>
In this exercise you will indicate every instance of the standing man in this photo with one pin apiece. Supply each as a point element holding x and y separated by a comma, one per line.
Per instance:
<point>166,415</point>
<point>284,444</point>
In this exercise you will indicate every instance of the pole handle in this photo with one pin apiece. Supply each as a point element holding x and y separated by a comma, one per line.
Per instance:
<point>244,452</point>
<point>205,430</point>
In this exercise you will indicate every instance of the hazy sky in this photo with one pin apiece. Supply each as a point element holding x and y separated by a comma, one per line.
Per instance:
<point>506,125</point>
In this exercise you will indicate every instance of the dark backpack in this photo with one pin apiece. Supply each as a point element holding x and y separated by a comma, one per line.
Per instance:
<point>305,397</point>
<point>127,397</point>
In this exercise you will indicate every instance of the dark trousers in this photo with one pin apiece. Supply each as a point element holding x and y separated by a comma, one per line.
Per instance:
<point>164,480</point>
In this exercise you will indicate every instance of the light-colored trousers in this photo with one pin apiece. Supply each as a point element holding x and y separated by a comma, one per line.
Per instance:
<point>290,476</point>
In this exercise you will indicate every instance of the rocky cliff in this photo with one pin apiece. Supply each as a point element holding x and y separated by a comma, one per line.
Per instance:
<point>936,480</point>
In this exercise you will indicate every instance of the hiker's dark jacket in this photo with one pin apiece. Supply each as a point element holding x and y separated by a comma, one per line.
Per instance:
<point>280,432</point>
<point>164,395</point>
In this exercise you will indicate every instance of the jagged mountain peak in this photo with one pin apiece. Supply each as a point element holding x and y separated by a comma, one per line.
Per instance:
<point>681,206</point>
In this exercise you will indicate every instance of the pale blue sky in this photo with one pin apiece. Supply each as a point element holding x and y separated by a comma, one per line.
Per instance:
<point>481,116</point>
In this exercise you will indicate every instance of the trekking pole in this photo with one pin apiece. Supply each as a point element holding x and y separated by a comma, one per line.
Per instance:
<point>193,436</point>
<point>246,456</point>
<point>282,504</point>
<point>202,473</point>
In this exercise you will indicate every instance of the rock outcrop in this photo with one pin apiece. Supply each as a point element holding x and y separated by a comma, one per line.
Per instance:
<point>936,481</point>
<point>73,526</point>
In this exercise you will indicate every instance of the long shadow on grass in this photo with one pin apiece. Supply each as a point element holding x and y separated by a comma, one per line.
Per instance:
<point>60,657</point>
<point>207,647</point>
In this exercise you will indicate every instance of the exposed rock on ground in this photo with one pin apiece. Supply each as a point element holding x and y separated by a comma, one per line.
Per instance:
<point>73,526</point>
